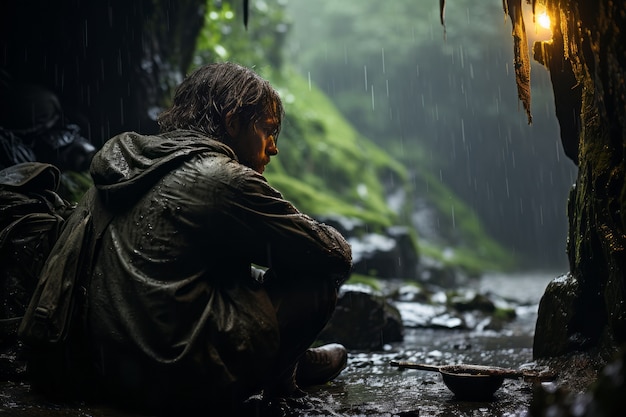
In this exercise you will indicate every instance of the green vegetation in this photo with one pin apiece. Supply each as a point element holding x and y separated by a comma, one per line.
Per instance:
<point>319,150</point>
<point>371,282</point>
<point>74,185</point>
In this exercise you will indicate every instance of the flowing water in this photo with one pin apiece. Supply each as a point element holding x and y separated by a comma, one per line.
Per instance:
<point>370,386</point>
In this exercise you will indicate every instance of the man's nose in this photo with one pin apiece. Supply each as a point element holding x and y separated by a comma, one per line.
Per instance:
<point>272,149</point>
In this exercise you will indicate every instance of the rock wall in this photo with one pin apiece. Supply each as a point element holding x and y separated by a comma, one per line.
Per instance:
<point>112,62</point>
<point>585,310</point>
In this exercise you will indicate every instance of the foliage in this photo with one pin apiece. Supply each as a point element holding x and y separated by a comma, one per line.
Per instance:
<point>371,282</point>
<point>322,151</point>
<point>225,38</point>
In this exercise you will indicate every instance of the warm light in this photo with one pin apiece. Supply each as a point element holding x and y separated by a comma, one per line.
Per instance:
<point>544,20</point>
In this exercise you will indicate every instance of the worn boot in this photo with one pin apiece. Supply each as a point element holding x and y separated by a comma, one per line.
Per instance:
<point>320,365</point>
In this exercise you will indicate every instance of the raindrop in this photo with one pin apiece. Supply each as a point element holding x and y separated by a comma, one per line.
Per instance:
<point>365,74</point>
<point>463,130</point>
<point>86,41</point>
<point>453,218</point>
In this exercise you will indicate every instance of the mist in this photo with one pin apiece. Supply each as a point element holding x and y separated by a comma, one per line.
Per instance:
<point>444,99</point>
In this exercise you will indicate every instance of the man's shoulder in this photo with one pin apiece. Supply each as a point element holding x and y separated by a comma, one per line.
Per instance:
<point>217,168</point>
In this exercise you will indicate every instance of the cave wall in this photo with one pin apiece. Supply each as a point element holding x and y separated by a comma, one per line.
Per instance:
<point>111,62</point>
<point>585,310</point>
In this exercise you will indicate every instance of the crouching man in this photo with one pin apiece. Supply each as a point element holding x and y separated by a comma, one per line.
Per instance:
<point>206,285</point>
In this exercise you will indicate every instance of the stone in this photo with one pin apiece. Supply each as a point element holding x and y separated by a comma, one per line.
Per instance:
<point>557,307</point>
<point>364,320</point>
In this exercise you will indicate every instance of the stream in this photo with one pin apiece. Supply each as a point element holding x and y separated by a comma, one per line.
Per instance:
<point>370,386</point>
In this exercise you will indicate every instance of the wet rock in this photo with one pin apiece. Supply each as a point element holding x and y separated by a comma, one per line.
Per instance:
<point>447,321</point>
<point>498,320</point>
<point>412,293</point>
<point>554,332</point>
<point>419,314</point>
<point>389,254</point>
<point>435,308</point>
<point>595,312</point>
<point>363,319</point>
<point>435,273</point>
<point>347,226</point>
<point>581,390</point>
<point>471,300</point>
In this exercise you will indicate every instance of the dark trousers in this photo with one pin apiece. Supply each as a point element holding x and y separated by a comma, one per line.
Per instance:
<point>303,305</point>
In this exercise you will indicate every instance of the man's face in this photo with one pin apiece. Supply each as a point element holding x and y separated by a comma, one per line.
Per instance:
<point>255,143</point>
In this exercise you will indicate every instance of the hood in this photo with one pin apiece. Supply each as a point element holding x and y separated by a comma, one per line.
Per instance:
<point>130,163</point>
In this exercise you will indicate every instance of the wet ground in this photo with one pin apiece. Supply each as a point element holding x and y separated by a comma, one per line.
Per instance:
<point>369,386</point>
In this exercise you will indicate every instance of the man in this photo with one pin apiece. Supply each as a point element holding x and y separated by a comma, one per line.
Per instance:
<point>208,286</point>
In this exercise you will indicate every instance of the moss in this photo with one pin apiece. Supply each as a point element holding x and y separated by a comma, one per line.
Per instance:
<point>365,280</point>
<point>310,200</point>
<point>504,313</point>
<point>320,150</point>
<point>465,259</point>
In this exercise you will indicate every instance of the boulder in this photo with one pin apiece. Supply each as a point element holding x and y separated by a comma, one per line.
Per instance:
<point>389,255</point>
<point>554,332</point>
<point>363,320</point>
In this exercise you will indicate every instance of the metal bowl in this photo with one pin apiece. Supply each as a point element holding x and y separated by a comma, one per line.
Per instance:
<point>471,387</point>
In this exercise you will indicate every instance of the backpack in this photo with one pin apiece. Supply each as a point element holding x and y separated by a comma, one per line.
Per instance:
<point>53,321</point>
<point>48,316</point>
<point>31,217</point>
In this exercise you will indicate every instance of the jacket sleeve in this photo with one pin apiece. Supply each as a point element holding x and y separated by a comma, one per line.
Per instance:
<point>281,237</point>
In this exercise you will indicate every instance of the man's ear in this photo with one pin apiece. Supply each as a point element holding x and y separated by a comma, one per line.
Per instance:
<point>233,124</point>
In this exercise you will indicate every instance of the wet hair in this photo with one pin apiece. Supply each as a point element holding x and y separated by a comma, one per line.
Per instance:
<point>207,95</point>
